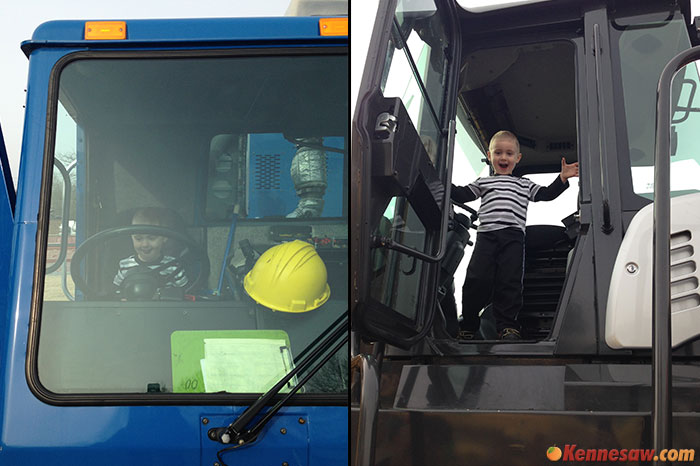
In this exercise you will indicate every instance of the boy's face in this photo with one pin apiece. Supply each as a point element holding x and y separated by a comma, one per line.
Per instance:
<point>503,155</point>
<point>148,247</point>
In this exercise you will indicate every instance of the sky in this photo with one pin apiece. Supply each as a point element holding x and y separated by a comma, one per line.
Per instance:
<point>19,19</point>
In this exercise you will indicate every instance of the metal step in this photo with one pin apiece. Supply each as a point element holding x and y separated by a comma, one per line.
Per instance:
<point>511,414</point>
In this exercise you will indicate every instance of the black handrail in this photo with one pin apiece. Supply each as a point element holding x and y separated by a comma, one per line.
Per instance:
<point>662,413</point>
<point>65,228</point>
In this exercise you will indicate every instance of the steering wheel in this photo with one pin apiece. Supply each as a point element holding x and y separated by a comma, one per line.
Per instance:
<point>190,248</point>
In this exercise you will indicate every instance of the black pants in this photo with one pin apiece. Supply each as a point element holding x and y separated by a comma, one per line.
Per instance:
<point>495,274</point>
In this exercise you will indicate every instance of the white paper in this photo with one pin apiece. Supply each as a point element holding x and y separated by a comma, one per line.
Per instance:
<point>244,365</point>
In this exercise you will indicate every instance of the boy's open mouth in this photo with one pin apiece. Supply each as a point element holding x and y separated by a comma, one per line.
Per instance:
<point>503,164</point>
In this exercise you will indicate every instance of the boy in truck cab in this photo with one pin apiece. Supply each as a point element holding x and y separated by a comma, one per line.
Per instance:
<point>149,261</point>
<point>495,271</point>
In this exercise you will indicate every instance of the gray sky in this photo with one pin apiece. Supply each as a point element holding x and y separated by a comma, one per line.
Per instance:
<point>18,19</point>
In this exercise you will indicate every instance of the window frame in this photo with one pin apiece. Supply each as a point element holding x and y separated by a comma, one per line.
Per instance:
<point>583,189</point>
<point>135,399</point>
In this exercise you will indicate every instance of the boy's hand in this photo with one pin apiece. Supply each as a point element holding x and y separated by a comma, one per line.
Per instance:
<point>568,170</point>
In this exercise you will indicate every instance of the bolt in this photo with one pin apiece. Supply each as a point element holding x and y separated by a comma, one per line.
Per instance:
<point>302,420</point>
<point>283,430</point>
<point>285,464</point>
<point>212,434</point>
<point>205,421</point>
<point>217,464</point>
<point>632,267</point>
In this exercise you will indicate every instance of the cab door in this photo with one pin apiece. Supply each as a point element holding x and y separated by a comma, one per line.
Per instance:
<point>402,143</point>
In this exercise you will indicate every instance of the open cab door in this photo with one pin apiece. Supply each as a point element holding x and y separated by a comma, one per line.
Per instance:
<point>402,142</point>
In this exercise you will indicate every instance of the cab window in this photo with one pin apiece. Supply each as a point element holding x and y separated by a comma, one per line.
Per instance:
<point>197,225</point>
<point>644,45</point>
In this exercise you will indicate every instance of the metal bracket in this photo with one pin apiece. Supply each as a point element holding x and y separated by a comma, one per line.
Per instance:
<point>386,125</point>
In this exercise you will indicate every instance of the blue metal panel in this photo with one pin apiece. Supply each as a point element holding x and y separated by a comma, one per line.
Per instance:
<point>14,338</point>
<point>7,199</point>
<point>9,190</point>
<point>298,436</point>
<point>286,435</point>
<point>7,205</point>
<point>270,188</point>
<point>164,435</point>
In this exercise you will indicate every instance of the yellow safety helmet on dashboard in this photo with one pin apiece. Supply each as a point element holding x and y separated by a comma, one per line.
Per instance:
<point>289,277</point>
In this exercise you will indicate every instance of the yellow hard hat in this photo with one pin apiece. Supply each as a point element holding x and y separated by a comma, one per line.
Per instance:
<point>289,277</point>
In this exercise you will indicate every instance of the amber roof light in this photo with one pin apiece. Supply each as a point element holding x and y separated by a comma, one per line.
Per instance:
<point>333,26</point>
<point>105,30</point>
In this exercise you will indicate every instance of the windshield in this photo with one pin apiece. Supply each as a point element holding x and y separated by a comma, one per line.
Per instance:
<point>197,228</point>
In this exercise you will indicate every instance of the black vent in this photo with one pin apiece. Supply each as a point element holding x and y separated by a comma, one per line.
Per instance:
<point>559,146</point>
<point>266,171</point>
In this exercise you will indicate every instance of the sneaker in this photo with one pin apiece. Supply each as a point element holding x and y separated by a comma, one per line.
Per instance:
<point>510,334</point>
<point>466,335</point>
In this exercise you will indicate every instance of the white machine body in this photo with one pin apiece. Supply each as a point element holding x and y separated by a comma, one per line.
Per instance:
<point>629,308</point>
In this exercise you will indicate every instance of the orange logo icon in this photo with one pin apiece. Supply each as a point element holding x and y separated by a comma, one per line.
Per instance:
<point>553,453</point>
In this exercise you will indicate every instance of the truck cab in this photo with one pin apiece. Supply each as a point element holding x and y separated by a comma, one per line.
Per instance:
<point>167,168</point>
<point>574,80</point>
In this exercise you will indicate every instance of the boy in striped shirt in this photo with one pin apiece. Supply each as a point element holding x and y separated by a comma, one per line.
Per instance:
<point>149,255</point>
<point>495,271</point>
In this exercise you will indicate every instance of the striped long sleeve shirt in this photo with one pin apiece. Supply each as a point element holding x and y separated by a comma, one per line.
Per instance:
<point>505,198</point>
<point>166,266</point>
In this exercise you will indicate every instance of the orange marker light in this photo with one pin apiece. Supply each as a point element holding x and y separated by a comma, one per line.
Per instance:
<point>105,30</point>
<point>333,26</point>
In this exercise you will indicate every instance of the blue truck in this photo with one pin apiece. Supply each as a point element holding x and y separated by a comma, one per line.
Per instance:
<point>175,257</point>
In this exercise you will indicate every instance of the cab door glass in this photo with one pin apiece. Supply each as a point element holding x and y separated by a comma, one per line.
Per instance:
<point>644,50</point>
<point>396,276</point>
<point>414,69</point>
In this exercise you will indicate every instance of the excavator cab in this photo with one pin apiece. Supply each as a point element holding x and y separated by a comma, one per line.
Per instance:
<point>574,80</point>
